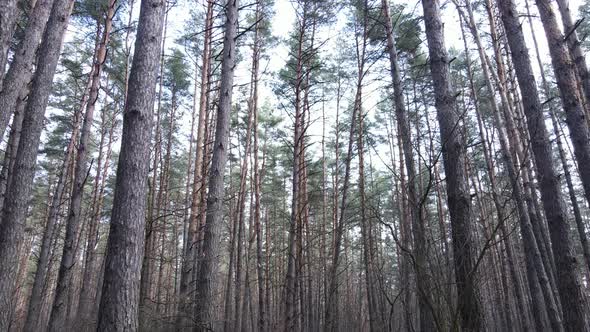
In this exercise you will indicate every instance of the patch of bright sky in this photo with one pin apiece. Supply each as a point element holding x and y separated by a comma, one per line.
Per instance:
<point>283,22</point>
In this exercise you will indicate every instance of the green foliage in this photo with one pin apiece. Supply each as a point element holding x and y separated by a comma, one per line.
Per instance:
<point>89,11</point>
<point>406,26</point>
<point>175,73</point>
<point>192,37</point>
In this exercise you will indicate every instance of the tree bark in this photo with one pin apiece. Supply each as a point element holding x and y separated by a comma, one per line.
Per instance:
<point>262,314</point>
<point>120,294</point>
<point>423,279</point>
<point>565,73</point>
<point>58,319</point>
<point>39,283</point>
<point>567,282</point>
<point>576,53</point>
<point>289,319</point>
<point>189,265</point>
<point>557,130</point>
<point>205,309</point>
<point>20,70</point>
<point>532,254</point>
<point>241,195</point>
<point>12,145</point>
<point>88,294</point>
<point>453,151</point>
<point>154,223</point>
<point>19,190</point>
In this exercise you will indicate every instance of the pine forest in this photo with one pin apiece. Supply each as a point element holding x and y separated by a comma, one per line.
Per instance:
<point>294,165</point>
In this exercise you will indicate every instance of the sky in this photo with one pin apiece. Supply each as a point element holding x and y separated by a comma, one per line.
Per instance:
<point>284,18</point>
<point>282,24</point>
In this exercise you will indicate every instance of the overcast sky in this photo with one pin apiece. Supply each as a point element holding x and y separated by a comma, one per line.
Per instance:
<point>283,23</point>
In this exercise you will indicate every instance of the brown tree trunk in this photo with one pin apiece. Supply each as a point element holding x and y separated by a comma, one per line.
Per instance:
<point>580,225</point>
<point>289,317</point>
<point>366,228</point>
<point>576,53</point>
<point>20,186</point>
<point>39,284</point>
<point>558,137</point>
<point>154,223</point>
<point>262,313</point>
<point>19,72</point>
<point>126,235</point>
<point>565,73</point>
<point>12,145</point>
<point>58,319</point>
<point>332,313</point>
<point>241,196</point>
<point>227,310</point>
<point>427,316</point>
<point>205,308</point>
<point>100,260</point>
<point>128,48</point>
<point>458,197</point>
<point>532,253</point>
<point>88,294</point>
<point>239,223</point>
<point>186,293</point>
<point>567,282</point>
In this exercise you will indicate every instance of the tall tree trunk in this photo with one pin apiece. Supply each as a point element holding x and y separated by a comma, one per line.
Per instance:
<point>459,200</point>
<point>567,282</point>
<point>565,73</point>
<point>188,195</point>
<point>189,266</point>
<point>19,72</point>
<point>126,235</point>
<point>154,223</point>
<point>86,311</point>
<point>165,187</point>
<point>366,229</point>
<point>519,155</point>
<point>532,253</point>
<point>98,209</point>
<point>426,312</point>
<point>289,319</point>
<point>241,198</point>
<point>58,319</point>
<point>12,145</point>
<point>580,225</point>
<point>576,53</point>
<point>335,202</point>
<point>20,186</point>
<point>332,313</point>
<point>43,264</point>
<point>262,313</point>
<point>19,297</point>
<point>239,215</point>
<point>128,48</point>
<point>233,238</point>
<point>205,308</point>
<point>558,137</point>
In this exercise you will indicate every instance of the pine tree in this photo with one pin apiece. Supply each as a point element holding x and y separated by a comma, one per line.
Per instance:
<point>568,285</point>
<point>126,234</point>
<point>458,197</point>
<point>208,265</point>
<point>21,182</point>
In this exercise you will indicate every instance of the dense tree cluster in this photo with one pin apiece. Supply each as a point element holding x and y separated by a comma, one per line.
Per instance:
<point>362,172</point>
